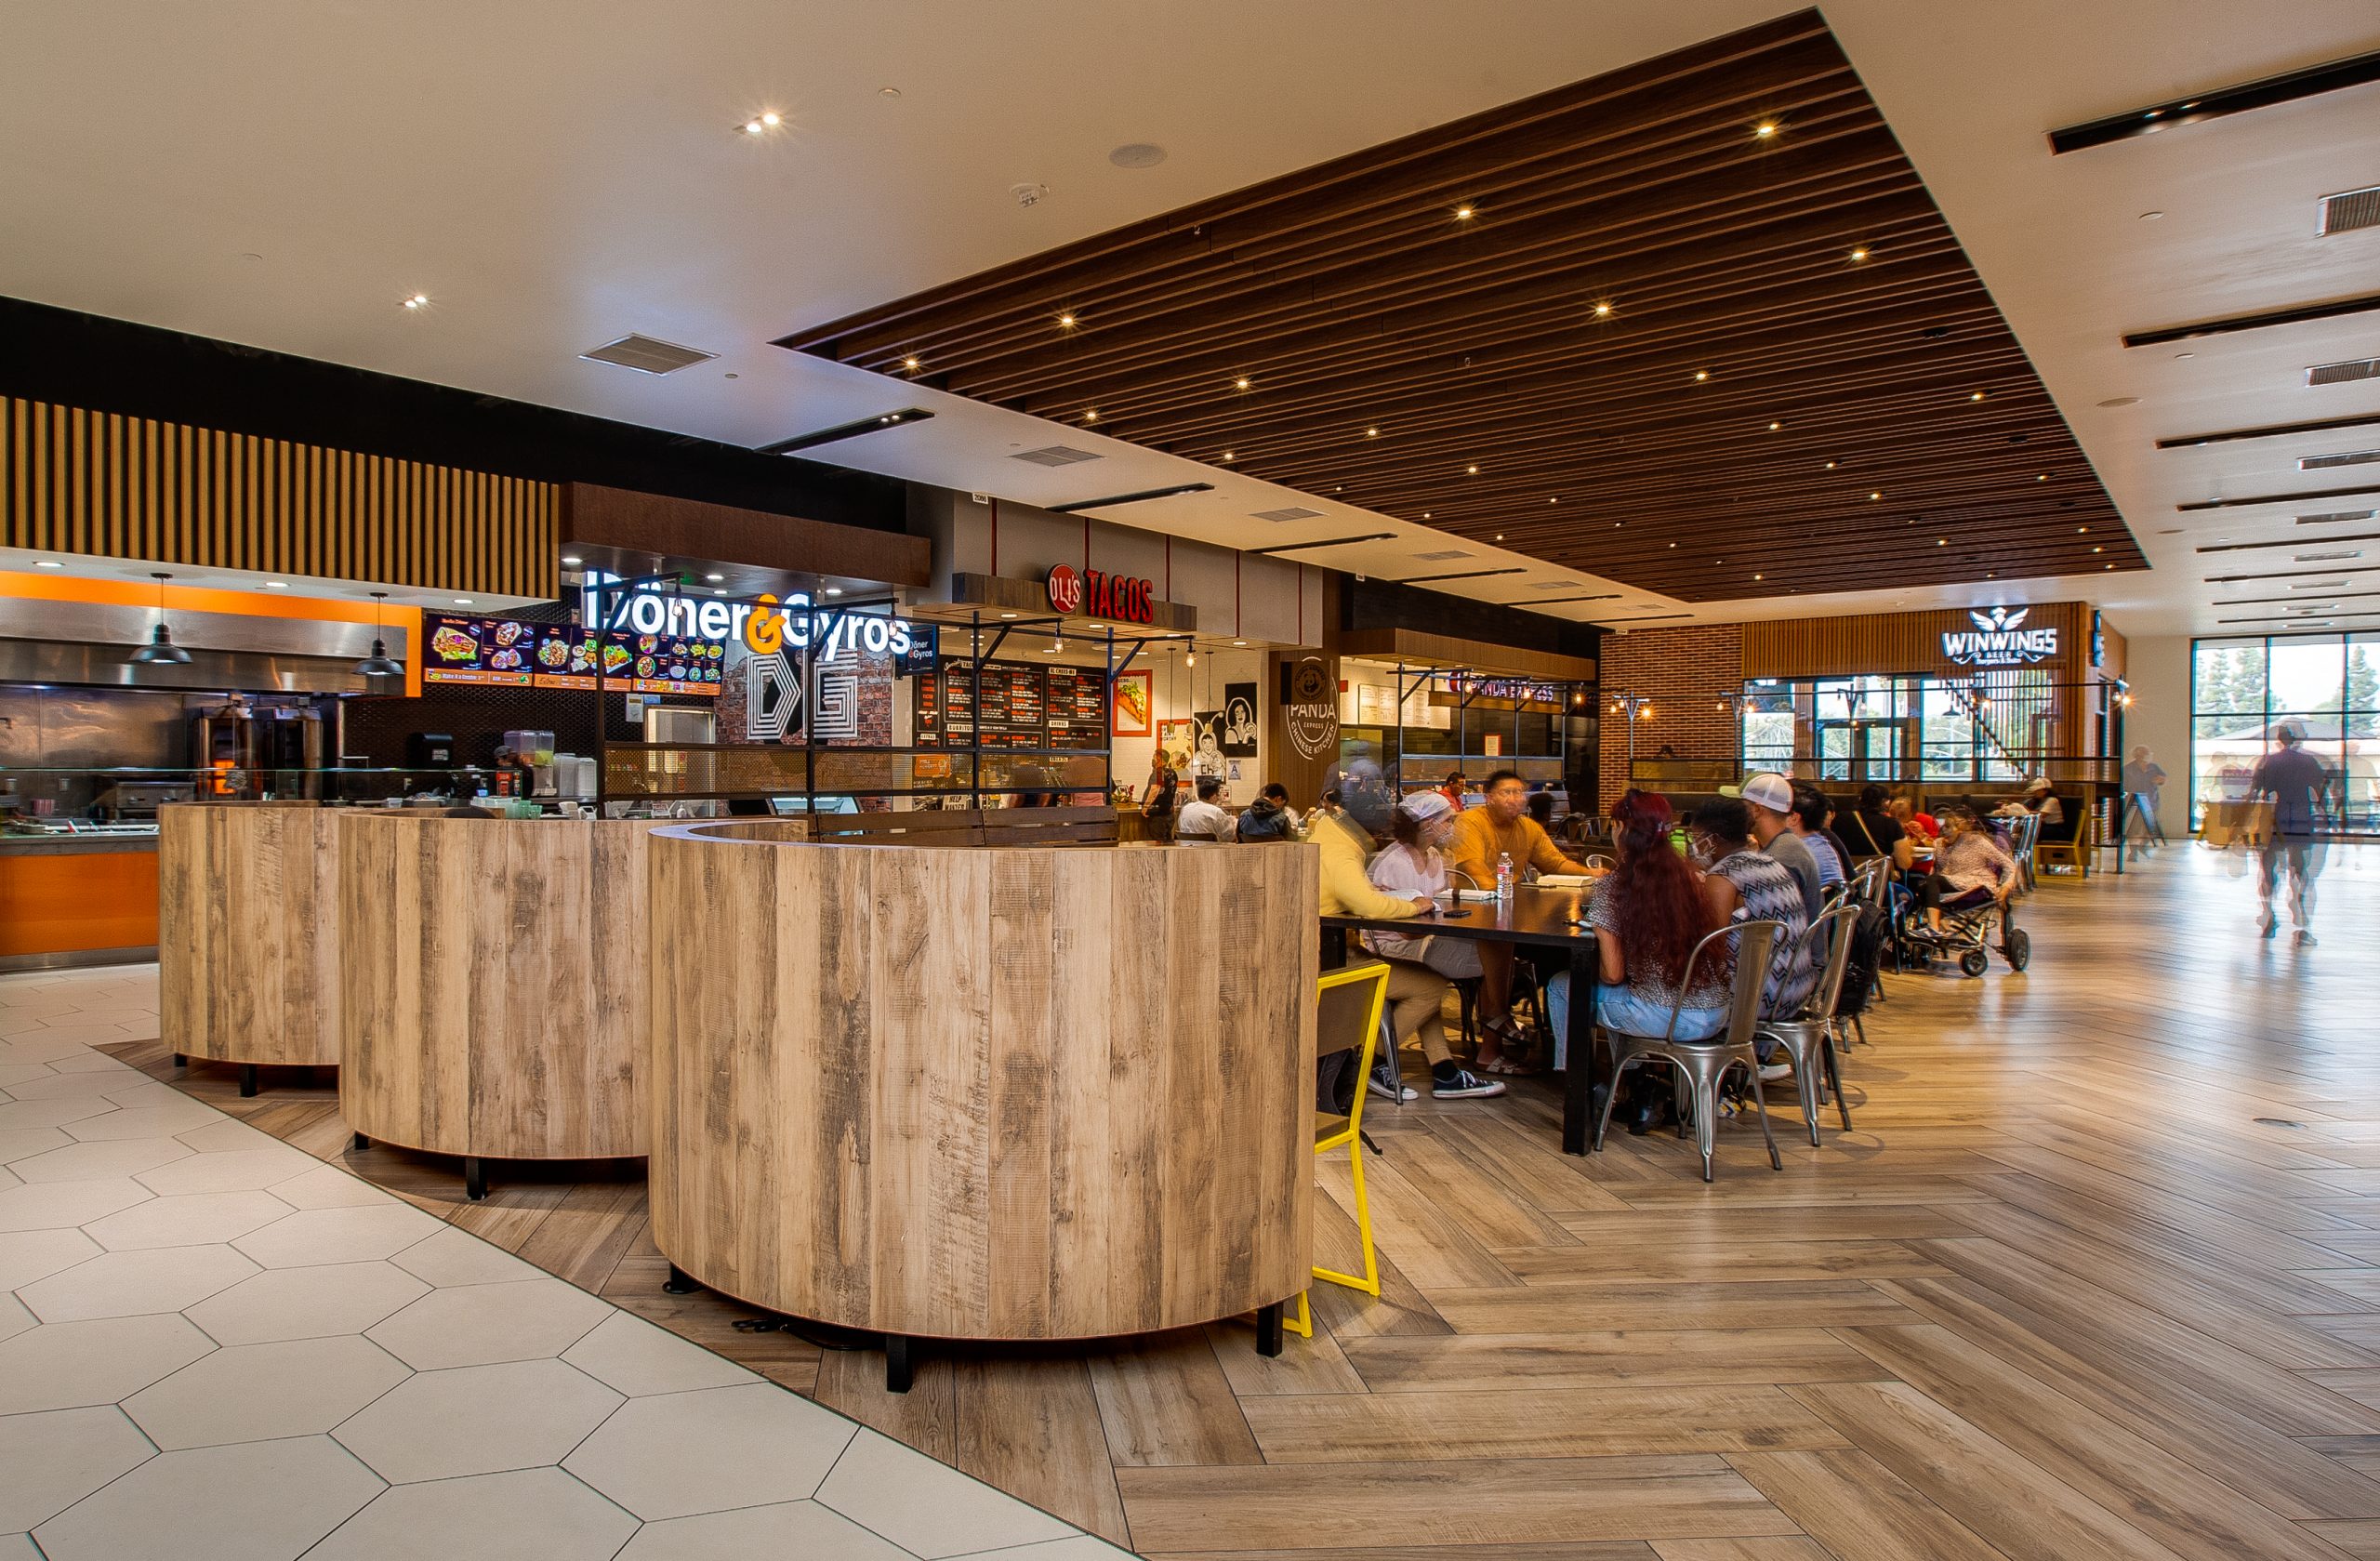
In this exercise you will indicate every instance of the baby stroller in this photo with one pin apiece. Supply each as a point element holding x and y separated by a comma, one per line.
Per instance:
<point>1965,936</point>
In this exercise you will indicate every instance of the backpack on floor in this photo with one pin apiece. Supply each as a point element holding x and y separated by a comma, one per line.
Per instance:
<point>1871,935</point>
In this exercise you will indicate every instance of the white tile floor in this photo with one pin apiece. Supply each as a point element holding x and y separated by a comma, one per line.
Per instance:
<point>213,1347</point>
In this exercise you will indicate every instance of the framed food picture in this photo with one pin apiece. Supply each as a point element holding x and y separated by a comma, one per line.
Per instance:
<point>1174,739</point>
<point>1133,705</point>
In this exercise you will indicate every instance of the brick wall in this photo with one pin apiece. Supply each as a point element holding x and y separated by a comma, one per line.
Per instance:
<point>1683,672</point>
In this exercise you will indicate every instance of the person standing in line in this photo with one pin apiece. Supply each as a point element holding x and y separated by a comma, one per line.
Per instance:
<point>2300,788</point>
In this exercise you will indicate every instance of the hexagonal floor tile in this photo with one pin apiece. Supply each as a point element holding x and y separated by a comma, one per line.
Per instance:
<point>307,1303</point>
<point>479,1325</point>
<point>226,1133</point>
<point>252,1501</point>
<point>66,1364</point>
<point>927,1508</point>
<point>633,1355</point>
<point>532,1515</point>
<point>313,1236</point>
<point>187,1219</point>
<point>56,1205</point>
<point>54,1112</point>
<point>478,1420</point>
<point>125,1284</point>
<point>802,1528</point>
<point>84,1162</point>
<point>148,1122</point>
<point>53,1085</point>
<point>13,1073</point>
<point>14,1318</point>
<point>17,1144</point>
<point>1079,1547</point>
<point>457,1257</point>
<point>54,1460</point>
<point>327,1186</point>
<point>256,1393</point>
<point>684,1453</point>
<point>238,1170</point>
<point>30,1255</point>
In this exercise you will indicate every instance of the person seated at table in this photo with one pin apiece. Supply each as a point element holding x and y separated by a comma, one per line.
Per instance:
<point>1647,916</point>
<point>2037,798</point>
<point>1811,811</point>
<point>1501,826</point>
<point>1417,994</point>
<point>1540,807</point>
<point>1452,788</point>
<point>1267,819</point>
<point>1970,868</point>
<point>1414,863</point>
<point>1921,826</point>
<point>1204,819</point>
<point>1871,830</point>
<point>1770,798</point>
<point>1744,883</point>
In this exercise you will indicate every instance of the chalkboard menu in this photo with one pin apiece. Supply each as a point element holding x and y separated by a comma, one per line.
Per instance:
<point>1024,706</point>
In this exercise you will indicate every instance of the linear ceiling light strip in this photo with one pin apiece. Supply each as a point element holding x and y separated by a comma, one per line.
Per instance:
<point>1466,575</point>
<point>2297,574</point>
<point>2276,498</point>
<point>2222,102</point>
<point>2290,542</point>
<point>1326,542</point>
<point>1145,495</point>
<point>2294,317</point>
<point>2274,430</point>
<point>847,430</point>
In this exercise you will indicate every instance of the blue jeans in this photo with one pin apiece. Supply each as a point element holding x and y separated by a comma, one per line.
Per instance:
<point>1618,1008</point>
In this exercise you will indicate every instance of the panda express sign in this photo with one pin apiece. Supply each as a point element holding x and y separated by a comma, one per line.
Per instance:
<point>1095,594</point>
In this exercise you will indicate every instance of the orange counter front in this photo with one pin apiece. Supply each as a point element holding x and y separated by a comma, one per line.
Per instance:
<point>75,902</point>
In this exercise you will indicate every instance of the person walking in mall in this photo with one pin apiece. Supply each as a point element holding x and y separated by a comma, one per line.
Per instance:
<point>1770,798</point>
<point>2300,789</point>
<point>1500,829</point>
<point>1417,994</point>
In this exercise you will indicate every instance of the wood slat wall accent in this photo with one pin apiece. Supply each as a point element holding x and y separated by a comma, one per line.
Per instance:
<point>101,482</point>
<point>1889,642</point>
<point>247,932</point>
<point>1001,1094</point>
<point>493,1005</point>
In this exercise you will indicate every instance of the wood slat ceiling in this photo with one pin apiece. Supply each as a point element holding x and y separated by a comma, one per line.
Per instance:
<point>1390,346</point>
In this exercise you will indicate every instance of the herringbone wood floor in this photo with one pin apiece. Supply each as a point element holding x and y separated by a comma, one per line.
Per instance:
<point>2065,1292</point>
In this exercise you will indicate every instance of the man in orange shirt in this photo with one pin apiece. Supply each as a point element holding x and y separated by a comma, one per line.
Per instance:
<point>1501,826</point>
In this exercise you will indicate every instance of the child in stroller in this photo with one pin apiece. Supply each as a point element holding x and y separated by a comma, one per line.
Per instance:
<point>1958,904</point>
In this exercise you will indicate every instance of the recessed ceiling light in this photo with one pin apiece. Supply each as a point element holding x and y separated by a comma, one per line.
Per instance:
<point>1464,214</point>
<point>2150,216</point>
<point>834,590</point>
<point>419,300</point>
<point>2111,566</point>
<point>718,591</point>
<point>1425,514</point>
<point>1829,466</point>
<point>1240,383</point>
<point>462,601</point>
<point>1471,471</point>
<point>1090,415</point>
<point>2180,355</point>
<point>1875,495</point>
<point>1755,576</point>
<point>276,585</point>
<point>1941,541</point>
<point>1240,641</point>
<point>1765,129</point>
<point>1700,375</point>
<point>1228,456</point>
<point>1552,501</point>
<point>1860,253</point>
<point>1066,322</point>
<point>1371,434</point>
<point>888,92</point>
<point>47,564</point>
<point>1499,536</point>
<point>1774,426</point>
<point>2082,531</point>
<point>1975,396</point>
<point>2042,478</point>
<point>1008,614</point>
<point>1603,312</point>
<point>571,560</point>
<point>2098,550</point>
<point>910,363</point>
<point>714,579</point>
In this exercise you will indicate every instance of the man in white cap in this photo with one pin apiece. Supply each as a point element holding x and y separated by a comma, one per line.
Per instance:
<point>1770,796</point>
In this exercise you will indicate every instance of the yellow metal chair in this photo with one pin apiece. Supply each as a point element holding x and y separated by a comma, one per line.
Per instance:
<point>1348,1004</point>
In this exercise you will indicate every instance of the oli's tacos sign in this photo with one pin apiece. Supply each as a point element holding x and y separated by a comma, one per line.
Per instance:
<point>1998,638</point>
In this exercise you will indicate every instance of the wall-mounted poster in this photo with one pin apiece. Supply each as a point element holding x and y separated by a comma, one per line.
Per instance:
<point>1132,706</point>
<point>1174,738</point>
<point>1207,757</point>
<point>1238,733</point>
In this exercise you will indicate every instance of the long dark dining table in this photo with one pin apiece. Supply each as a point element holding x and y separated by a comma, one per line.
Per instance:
<point>1542,918</point>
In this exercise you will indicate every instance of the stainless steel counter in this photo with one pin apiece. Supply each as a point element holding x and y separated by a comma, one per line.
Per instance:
<point>87,844</point>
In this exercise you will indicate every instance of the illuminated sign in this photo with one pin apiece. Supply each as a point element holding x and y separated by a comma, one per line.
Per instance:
<point>766,626</point>
<point>1100,595</point>
<point>1998,638</point>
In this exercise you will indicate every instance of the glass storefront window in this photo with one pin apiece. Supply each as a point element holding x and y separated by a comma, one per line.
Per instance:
<point>2325,685</point>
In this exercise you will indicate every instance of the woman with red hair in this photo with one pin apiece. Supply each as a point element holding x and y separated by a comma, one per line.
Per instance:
<point>1647,916</point>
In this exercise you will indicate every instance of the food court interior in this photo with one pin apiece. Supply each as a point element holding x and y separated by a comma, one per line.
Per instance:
<point>1372,781</point>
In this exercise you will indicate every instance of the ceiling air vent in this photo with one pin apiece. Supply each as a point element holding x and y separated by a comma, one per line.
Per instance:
<point>2351,209</point>
<point>1556,584</point>
<point>2325,558</point>
<point>1054,455</point>
<point>1280,517</point>
<point>2338,515</point>
<point>645,355</point>
<point>2343,372</point>
<point>2349,458</point>
<point>1441,556</point>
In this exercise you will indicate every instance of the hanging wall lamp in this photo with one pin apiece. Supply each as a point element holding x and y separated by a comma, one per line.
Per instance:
<point>379,664</point>
<point>161,650</point>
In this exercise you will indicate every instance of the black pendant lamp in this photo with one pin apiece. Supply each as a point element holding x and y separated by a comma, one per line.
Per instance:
<point>379,664</point>
<point>161,649</point>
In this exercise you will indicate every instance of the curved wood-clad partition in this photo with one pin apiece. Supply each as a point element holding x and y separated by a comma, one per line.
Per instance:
<point>493,978</point>
<point>1025,1092</point>
<point>247,932</point>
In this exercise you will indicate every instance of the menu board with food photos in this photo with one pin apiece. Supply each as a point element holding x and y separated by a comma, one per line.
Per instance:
<point>508,653</point>
<point>1077,707</point>
<point>1017,707</point>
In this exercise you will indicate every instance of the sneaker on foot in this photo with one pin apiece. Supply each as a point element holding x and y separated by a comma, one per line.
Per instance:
<point>2304,937</point>
<point>2268,924</point>
<point>1771,1072</point>
<point>1388,1085</point>
<point>1465,1085</point>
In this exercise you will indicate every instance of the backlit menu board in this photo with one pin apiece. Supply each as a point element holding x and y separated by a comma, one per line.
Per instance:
<point>1077,707</point>
<point>508,653</point>
<point>1016,706</point>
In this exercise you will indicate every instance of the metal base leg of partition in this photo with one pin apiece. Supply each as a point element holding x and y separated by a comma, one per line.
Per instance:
<point>1268,1330</point>
<point>897,1365</point>
<point>180,1061</point>
<point>474,1178</point>
<point>248,1081</point>
<point>679,1282</point>
<point>359,1141</point>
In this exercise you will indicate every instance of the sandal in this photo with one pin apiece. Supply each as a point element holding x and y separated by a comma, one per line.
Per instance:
<point>1507,1068</point>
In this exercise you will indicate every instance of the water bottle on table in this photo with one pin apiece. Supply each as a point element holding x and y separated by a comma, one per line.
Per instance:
<point>1503,875</point>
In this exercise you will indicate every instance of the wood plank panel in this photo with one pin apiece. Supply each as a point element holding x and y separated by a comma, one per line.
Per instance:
<point>247,929</point>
